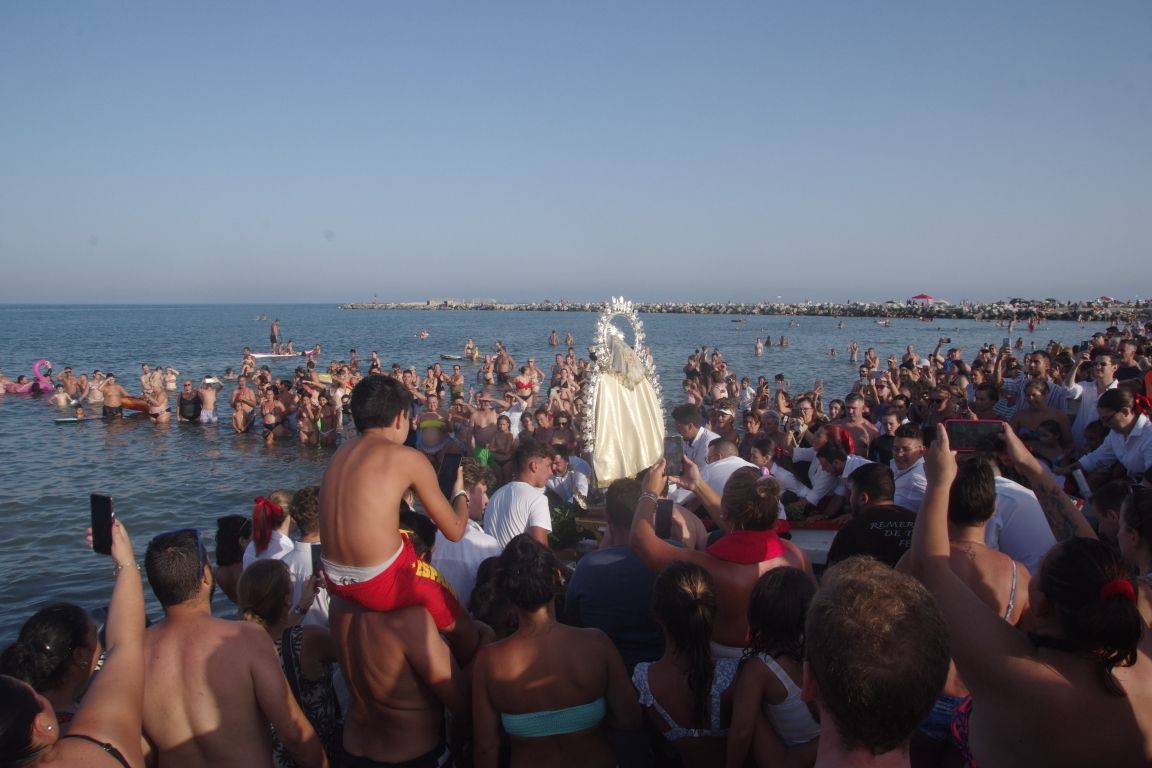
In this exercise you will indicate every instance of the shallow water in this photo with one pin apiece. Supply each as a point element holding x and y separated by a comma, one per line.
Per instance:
<point>182,475</point>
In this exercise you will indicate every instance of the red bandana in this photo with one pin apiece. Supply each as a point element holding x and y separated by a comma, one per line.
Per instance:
<point>747,547</point>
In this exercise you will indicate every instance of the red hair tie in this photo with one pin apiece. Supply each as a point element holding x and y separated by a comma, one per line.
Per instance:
<point>1118,587</point>
<point>1140,403</point>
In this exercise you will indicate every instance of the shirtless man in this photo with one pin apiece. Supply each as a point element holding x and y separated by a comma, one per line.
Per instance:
<point>247,363</point>
<point>208,390</point>
<point>61,398</point>
<point>243,402</point>
<point>114,395</point>
<point>862,430</point>
<point>401,677</point>
<point>70,382</point>
<point>483,422</point>
<point>212,686</point>
<point>274,334</point>
<point>366,559</point>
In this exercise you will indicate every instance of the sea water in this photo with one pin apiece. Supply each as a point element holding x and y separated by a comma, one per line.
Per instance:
<point>186,475</point>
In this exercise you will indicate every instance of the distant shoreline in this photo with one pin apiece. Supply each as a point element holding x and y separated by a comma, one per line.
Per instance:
<point>1019,309</point>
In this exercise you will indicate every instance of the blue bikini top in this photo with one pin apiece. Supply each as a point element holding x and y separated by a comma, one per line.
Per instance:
<point>555,722</point>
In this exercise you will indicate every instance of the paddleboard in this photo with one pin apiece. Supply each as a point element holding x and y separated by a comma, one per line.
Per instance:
<point>451,357</point>
<point>273,355</point>
<point>73,419</point>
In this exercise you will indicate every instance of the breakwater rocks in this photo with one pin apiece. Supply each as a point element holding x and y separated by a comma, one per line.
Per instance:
<point>1084,311</point>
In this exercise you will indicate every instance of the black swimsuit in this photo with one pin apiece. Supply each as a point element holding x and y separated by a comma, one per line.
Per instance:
<point>114,753</point>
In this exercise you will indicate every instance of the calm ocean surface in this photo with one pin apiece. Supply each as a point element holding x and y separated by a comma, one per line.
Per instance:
<point>187,475</point>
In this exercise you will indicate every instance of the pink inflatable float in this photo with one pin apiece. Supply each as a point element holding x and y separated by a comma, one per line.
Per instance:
<point>41,374</point>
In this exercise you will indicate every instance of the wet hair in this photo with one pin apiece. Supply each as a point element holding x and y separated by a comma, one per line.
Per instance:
<point>262,590</point>
<point>688,413</point>
<point>305,509</point>
<point>42,653</point>
<point>777,608</point>
<point>229,530</point>
<point>422,528</point>
<point>832,452</point>
<point>874,479</point>
<point>877,647</point>
<point>910,431</point>
<point>18,710</point>
<point>527,573</point>
<point>267,515</point>
<point>972,498</point>
<point>684,602</point>
<point>620,502</point>
<point>531,449</point>
<point>173,563</point>
<point>377,401</point>
<point>1107,629</point>
<point>488,604</point>
<point>752,501</point>
<point>1116,399</point>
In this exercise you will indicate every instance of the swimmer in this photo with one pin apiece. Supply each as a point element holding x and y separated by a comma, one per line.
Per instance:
<point>366,559</point>
<point>208,390</point>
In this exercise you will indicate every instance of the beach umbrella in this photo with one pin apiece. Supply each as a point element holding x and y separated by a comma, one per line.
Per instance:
<point>922,297</point>
<point>1107,298</point>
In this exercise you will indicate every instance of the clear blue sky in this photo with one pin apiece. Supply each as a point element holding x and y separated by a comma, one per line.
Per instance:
<point>304,151</point>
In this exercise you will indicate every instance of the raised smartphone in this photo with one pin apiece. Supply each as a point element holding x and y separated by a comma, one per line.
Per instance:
<point>446,475</point>
<point>673,454</point>
<point>966,435</point>
<point>102,517</point>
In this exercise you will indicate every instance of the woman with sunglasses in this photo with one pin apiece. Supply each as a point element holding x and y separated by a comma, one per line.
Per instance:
<point>105,729</point>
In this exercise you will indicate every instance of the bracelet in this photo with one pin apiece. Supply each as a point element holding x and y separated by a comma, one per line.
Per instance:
<point>650,495</point>
<point>121,566</point>
<point>457,495</point>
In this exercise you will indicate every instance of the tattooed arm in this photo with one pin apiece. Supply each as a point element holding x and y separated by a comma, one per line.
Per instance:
<point>1064,518</point>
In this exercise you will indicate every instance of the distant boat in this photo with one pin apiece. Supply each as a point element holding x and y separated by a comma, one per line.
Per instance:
<point>741,320</point>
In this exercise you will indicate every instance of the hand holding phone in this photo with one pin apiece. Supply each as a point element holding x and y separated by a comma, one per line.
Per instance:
<point>102,517</point>
<point>967,435</point>
<point>448,474</point>
<point>673,455</point>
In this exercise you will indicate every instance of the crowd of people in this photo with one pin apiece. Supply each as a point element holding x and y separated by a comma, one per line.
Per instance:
<point>973,600</point>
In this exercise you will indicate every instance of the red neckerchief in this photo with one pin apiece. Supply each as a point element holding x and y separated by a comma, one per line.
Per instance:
<point>747,547</point>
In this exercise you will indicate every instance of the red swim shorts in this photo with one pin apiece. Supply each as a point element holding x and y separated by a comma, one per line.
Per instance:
<point>408,581</point>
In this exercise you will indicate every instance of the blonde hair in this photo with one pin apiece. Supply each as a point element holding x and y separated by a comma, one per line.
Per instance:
<point>752,501</point>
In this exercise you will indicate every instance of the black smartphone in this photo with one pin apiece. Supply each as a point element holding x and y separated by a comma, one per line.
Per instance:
<point>446,475</point>
<point>316,566</point>
<point>965,435</point>
<point>102,517</point>
<point>673,455</point>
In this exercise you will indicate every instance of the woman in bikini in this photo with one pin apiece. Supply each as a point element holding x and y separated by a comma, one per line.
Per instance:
<point>502,447</point>
<point>551,688</point>
<point>272,415</point>
<point>686,694</point>
<point>329,420</point>
<point>1078,664</point>
<point>432,432</point>
<point>105,729</point>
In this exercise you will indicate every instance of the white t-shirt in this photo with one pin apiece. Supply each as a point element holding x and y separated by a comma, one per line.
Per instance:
<point>717,473</point>
<point>299,562</point>
<point>279,545</point>
<point>911,484</point>
<point>1019,528</point>
<point>567,485</point>
<point>513,509</point>
<point>458,561</point>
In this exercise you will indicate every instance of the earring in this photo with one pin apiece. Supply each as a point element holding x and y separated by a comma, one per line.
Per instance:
<point>48,727</point>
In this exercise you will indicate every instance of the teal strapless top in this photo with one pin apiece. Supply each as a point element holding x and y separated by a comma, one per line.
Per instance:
<point>555,722</point>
